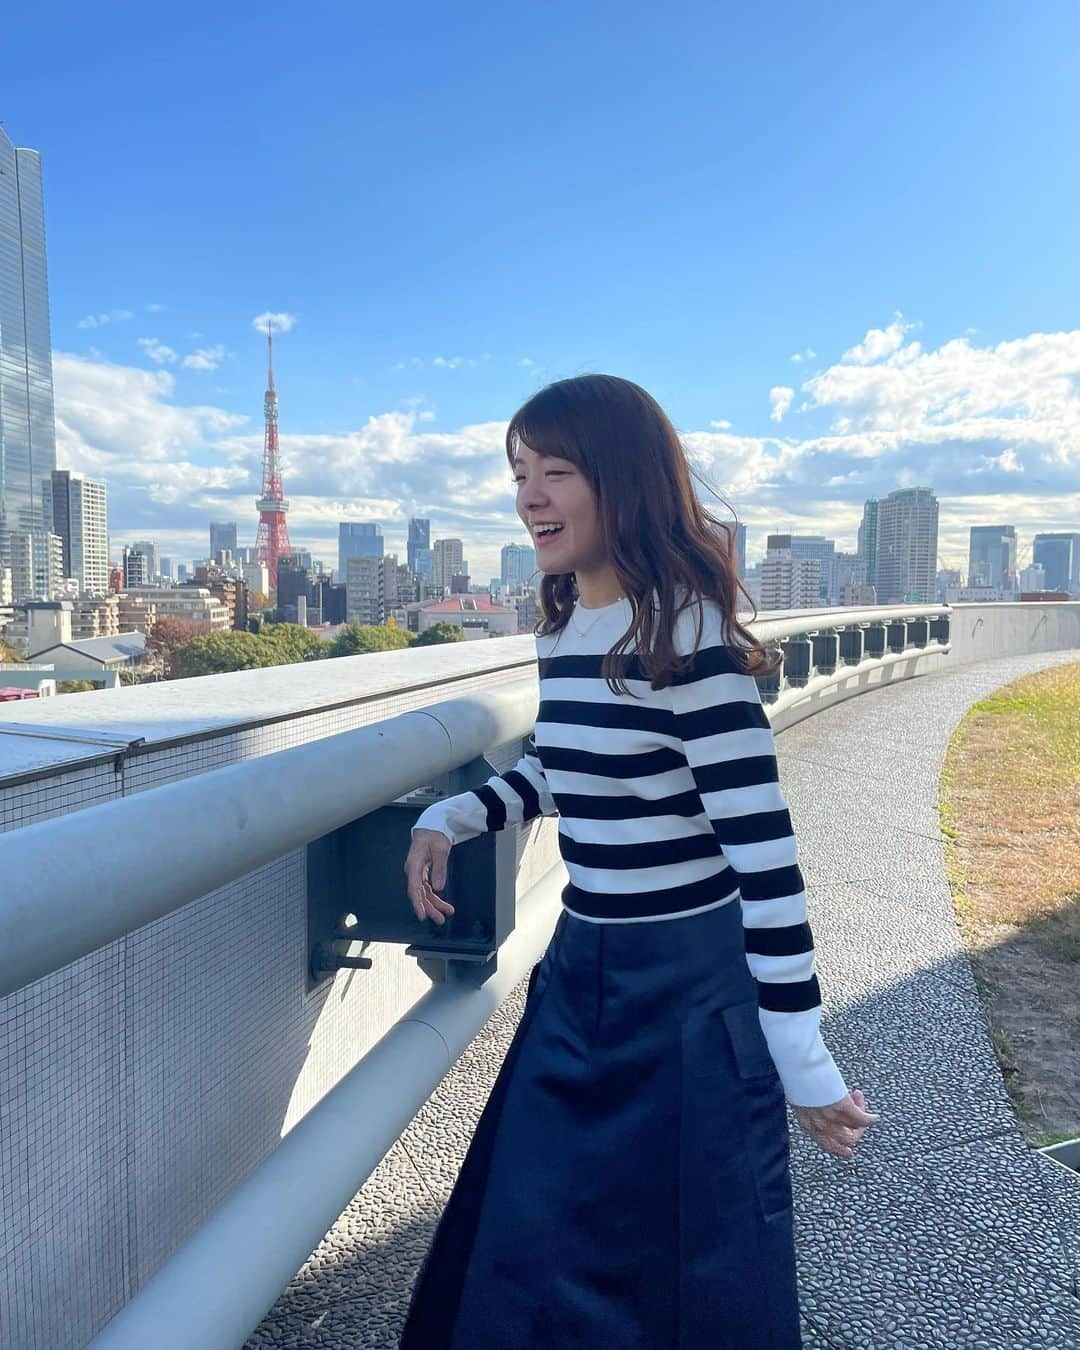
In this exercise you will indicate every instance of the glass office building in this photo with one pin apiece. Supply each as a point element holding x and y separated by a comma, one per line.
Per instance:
<point>27,429</point>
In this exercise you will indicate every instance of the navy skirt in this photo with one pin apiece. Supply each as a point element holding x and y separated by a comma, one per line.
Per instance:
<point>627,1187</point>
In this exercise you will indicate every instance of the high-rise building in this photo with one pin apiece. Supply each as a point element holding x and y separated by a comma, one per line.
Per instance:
<point>906,554</point>
<point>222,536</point>
<point>37,564</point>
<point>329,603</point>
<point>788,581</point>
<point>152,554</point>
<point>848,576</point>
<point>867,541</point>
<point>824,550</point>
<point>992,556</point>
<point>357,539</point>
<point>1033,578</point>
<point>370,588</point>
<point>27,428</point>
<point>424,565</point>
<point>78,510</point>
<point>1059,556</point>
<point>419,538</point>
<point>448,563</point>
<point>517,564</point>
<point>136,566</point>
<point>293,583</point>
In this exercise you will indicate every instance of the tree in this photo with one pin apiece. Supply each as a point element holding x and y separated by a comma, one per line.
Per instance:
<point>294,641</point>
<point>168,633</point>
<point>441,632</point>
<point>9,653</point>
<point>75,686</point>
<point>357,639</point>
<point>218,653</point>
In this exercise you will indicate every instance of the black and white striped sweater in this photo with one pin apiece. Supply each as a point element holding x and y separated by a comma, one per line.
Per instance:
<point>669,804</point>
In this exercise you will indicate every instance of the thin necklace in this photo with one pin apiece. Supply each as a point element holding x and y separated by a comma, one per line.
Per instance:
<point>584,618</point>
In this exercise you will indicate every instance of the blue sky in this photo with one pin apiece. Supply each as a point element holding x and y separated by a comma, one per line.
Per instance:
<point>455,206</point>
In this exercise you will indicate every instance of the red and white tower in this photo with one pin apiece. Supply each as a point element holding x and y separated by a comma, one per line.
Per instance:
<point>272,540</point>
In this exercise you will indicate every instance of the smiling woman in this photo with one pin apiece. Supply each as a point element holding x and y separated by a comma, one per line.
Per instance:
<point>636,1134</point>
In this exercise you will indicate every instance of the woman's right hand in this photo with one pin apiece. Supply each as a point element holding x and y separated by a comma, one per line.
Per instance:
<point>425,871</point>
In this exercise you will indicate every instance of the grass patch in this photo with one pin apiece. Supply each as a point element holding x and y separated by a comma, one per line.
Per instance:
<point>1009,808</point>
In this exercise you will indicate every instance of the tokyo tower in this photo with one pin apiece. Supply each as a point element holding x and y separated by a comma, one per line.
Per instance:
<point>272,541</point>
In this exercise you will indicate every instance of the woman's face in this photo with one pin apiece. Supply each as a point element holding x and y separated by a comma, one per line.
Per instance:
<point>555,490</point>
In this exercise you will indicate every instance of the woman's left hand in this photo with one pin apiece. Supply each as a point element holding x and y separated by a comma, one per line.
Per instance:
<point>838,1127</point>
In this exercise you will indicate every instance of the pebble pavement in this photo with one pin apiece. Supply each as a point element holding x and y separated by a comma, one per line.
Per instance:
<point>945,1230</point>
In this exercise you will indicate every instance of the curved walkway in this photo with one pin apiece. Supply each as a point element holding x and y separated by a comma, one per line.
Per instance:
<point>946,1230</point>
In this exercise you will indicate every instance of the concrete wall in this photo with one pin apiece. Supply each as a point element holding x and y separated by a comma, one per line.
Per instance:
<point>142,1084</point>
<point>979,632</point>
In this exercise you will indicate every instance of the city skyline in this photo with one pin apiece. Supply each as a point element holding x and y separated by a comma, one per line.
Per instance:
<point>749,470</point>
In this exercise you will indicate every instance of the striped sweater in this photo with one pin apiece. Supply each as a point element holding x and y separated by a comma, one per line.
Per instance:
<point>669,804</point>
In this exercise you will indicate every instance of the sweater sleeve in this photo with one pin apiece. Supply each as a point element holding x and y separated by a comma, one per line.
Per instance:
<point>731,751</point>
<point>519,795</point>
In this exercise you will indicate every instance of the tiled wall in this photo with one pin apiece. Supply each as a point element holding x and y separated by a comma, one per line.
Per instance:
<point>143,1083</point>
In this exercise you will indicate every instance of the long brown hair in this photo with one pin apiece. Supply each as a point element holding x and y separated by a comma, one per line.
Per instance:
<point>657,534</point>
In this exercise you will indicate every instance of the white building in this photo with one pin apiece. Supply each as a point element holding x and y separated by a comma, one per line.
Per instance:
<point>907,538</point>
<point>37,562</point>
<point>787,581</point>
<point>474,614</point>
<point>78,509</point>
<point>193,604</point>
<point>257,577</point>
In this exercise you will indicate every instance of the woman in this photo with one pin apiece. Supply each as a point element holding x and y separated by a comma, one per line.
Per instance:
<point>627,1187</point>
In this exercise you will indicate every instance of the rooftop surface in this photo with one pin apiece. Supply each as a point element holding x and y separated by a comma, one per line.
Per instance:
<point>47,734</point>
<point>946,1230</point>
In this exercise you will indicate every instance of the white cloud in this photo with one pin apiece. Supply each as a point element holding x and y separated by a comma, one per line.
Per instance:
<point>279,320</point>
<point>1006,462</point>
<point>454,362</point>
<point>426,415</point>
<point>153,309</point>
<point>807,355</point>
<point>780,397</point>
<point>994,430</point>
<point>100,320</point>
<point>879,342</point>
<point>157,351</point>
<point>206,358</point>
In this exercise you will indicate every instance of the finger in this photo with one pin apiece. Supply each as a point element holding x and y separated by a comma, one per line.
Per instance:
<point>855,1115</point>
<point>436,905</point>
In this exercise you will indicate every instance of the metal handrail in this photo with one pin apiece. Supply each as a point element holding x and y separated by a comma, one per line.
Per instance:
<point>304,792</point>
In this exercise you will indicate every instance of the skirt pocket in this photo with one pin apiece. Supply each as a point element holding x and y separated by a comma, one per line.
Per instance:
<point>761,1102</point>
<point>733,1085</point>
